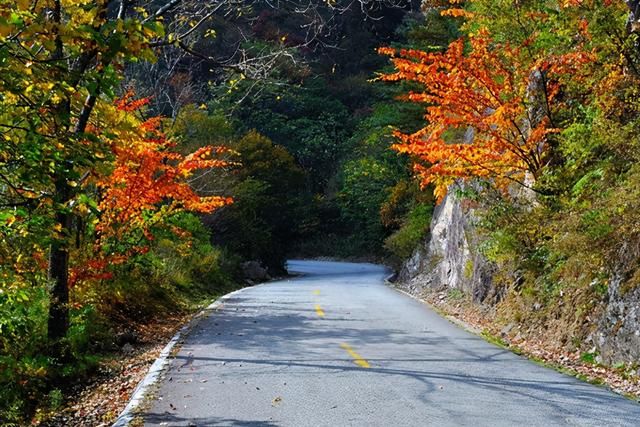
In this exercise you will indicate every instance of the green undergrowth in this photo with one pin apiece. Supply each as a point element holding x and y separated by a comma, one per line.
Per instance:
<point>556,258</point>
<point>411,233</point>
<point>176,276</point>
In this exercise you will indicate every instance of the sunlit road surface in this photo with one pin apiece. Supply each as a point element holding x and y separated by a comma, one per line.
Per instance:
<point>336,347</point>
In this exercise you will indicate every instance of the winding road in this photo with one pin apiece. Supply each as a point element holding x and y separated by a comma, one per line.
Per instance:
<point>337,347</point>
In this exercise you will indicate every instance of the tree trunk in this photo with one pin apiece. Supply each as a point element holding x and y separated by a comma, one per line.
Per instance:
<point>59,270</point>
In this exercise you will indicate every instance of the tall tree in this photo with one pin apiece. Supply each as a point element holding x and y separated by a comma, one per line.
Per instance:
<point>59,60</point>
<point>494,98</point>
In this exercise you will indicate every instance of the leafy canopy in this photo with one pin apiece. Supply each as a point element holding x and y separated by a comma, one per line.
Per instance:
<point>492,106</point>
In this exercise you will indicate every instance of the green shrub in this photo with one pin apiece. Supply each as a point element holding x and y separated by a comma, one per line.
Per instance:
<point>404,241</point>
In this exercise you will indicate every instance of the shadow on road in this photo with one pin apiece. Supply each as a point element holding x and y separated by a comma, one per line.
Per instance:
<point>173,420</point>
<point>276,333</point>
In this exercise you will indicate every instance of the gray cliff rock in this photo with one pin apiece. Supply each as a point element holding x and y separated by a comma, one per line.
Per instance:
<point>618,339</point>
<point>448,258</point>
<point>619,329</point>
<point>253,270</point>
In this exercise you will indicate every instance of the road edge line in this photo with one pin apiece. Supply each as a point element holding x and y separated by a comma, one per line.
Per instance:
<point>153,374</point>
<point>458,322</point>
<point>555,366</point>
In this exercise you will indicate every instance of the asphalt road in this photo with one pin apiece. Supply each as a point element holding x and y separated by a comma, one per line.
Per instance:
<point>336,347</point>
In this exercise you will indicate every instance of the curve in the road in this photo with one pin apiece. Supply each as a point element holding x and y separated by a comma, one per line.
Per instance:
<point>336,347</point>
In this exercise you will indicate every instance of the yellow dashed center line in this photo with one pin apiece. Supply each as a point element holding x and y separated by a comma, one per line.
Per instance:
<point>357,359</point>
<point>319,311</point>
<point>316,292</point>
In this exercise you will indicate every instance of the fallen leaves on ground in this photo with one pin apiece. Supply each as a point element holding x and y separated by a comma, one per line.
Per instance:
<point>479,320</point>
<point>98,402</point>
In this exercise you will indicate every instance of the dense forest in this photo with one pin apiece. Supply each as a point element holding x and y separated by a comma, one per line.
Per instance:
<point>151,152</point>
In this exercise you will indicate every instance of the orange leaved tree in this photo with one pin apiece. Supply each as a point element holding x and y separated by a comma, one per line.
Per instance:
<point>502,99</point>
<point>147,182</point>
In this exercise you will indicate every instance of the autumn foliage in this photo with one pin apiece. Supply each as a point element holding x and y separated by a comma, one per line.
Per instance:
<point>148,181</point>
<point>489,109</point>
<point>148,172</point>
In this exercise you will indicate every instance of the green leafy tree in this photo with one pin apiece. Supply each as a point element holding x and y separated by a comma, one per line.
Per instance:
<point>57,59</point>
<point>268,188</point>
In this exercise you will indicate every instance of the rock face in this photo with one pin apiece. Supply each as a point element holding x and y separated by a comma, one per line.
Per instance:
<point>253,271</point>
<point>619,328</point>
<point>448,258</point>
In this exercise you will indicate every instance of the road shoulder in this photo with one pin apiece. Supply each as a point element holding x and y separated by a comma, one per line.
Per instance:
<point>473,319</point>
